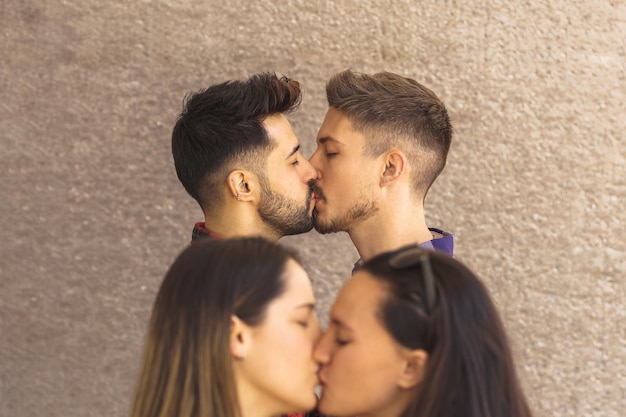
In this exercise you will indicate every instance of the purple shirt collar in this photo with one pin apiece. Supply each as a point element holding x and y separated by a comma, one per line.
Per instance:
<point>444,244</point>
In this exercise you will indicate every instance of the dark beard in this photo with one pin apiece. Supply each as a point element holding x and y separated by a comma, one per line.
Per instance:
<point>285,215</point>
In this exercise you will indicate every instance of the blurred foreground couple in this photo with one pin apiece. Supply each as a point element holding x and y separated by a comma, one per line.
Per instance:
<point>233,331</point>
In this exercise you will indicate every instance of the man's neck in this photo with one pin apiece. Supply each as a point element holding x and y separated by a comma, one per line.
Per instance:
<point>238,223</point>
<point>389,230</point>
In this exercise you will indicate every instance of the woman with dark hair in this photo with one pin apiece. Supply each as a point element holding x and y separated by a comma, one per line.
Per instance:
<point>414,333</point>
<point>231,335</point>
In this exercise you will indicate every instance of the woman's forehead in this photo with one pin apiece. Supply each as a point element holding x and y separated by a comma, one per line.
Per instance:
<point>297,283</point>
<point>360,296</point>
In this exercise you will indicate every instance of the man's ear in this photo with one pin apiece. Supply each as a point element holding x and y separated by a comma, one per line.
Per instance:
<point>414,368</point>
<point>240,338</point>
<point>395,163</point>
<point>241,184</point>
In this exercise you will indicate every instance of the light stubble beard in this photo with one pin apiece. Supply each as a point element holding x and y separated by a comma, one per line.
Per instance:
<point>359,212</point>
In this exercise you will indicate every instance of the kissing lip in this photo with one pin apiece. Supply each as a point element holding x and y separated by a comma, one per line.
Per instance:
<point>320,378</point>
<point>318,194</point>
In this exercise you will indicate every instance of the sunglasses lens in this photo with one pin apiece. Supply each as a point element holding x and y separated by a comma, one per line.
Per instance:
<point>418,256</point>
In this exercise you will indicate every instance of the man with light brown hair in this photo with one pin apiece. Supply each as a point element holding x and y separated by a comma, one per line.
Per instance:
<point>383,142</point>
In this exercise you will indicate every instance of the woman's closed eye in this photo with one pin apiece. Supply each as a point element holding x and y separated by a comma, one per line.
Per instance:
<point>304,321</point>
<point>341,342</point>
<point>341,339</point>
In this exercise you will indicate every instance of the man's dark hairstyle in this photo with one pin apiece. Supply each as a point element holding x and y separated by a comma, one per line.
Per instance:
<point>392,110</point>
<point>222,127</point>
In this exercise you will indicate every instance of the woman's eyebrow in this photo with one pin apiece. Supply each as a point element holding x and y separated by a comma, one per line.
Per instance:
<point>339,323</point>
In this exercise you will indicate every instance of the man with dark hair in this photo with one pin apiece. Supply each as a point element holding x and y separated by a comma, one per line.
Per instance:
<point>383,142</point>
<point>236,154</point>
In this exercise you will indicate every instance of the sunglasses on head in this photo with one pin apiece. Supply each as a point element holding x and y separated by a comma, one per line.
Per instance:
<point>418,256</point>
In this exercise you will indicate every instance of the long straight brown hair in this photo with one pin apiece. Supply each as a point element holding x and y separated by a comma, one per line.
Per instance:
<point>187,369</point>
<point>470,370</point>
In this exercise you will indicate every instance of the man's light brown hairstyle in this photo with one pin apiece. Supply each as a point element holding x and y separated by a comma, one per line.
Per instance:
<point>395,111</point>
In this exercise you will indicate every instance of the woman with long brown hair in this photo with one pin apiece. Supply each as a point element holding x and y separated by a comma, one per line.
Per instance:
<point>414,333</point>
<point>231,335</point>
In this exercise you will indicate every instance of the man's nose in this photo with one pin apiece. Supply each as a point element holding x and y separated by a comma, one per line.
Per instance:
<point>313,160</point>
<point>310,173</point>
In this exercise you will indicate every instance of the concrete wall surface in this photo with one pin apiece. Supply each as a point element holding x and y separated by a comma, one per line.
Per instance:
<point>92,213</point>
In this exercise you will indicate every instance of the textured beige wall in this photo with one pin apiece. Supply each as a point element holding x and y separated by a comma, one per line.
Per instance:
<point>92,213</point>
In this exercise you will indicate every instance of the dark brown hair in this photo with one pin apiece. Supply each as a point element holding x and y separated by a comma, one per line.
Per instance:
<point>395,111</point>
<point>186,369</point>
<point>470,370</point>
<point>223,125</point>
